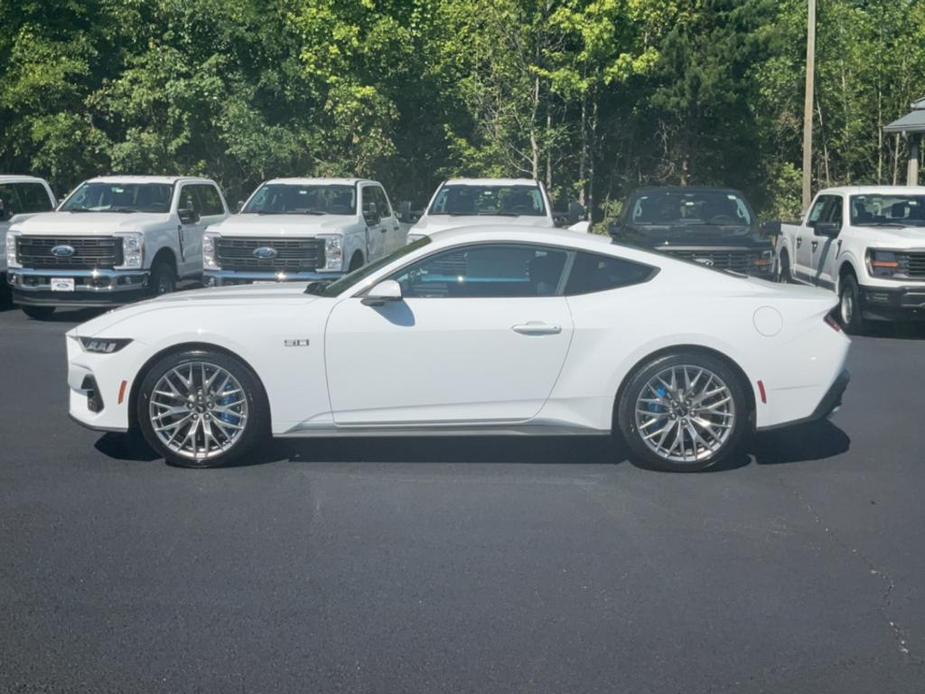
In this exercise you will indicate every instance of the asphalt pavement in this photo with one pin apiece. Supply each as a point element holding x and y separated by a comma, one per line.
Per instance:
<point>463,565</point>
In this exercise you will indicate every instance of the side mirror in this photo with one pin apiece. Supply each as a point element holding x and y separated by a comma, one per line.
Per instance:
<point>188,216</point>
<point>386,292</point>
<point>616,228</point>
<point>828,229</point>
<point>406,214</point>
<point>371,215</point>
<point>5,214</point>
<point>576,212</point>
<point>770,228</point>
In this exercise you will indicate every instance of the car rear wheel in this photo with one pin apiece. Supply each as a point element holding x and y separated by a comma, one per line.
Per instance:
<point>38,312</point>
<point>849,306</point>
<point>683,412</point>
<point>201,409</point>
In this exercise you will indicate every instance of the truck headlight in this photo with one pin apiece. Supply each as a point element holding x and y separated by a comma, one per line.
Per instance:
<point>883,264</point>
<point>102,345</point>
<point>11,260</point>
<point>133,250</point>
<point>209,261</point>
<point>333,254</point>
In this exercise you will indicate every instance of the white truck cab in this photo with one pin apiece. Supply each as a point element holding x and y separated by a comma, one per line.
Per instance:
<point>867,243</point>
<point>302,229</point>
<point>114,239</point>
<point>20,198</point>
<point>463,202</point>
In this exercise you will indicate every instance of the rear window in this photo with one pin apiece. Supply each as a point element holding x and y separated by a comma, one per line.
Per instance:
<point>598,273</point>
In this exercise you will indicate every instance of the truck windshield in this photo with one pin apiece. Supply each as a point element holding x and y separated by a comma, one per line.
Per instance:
<point>689,208</point>
<point>504,201</point>
<point>888,210</point>
<point>97,196</point>
<point>288,198</point>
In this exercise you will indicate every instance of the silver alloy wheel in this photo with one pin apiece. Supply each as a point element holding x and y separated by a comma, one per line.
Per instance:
<point>846,306</point>
<point>198,410</point>
<point>685,413</point>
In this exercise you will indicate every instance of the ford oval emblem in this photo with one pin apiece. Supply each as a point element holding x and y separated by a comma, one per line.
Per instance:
<point>63,251</point>
<point>265,253</point>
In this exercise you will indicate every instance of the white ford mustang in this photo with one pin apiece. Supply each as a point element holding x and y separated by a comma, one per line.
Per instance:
<point>484,330</point>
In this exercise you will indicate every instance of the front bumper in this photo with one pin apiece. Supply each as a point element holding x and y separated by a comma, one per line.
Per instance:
<point>220,278</point>
<point>92,288</point>
<point>893,303</point>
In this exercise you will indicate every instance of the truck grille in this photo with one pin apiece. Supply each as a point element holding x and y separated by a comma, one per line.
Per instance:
<point>739,261</point>
<point>86,253</point>
<point>292,255</point>
<point>912,263</point>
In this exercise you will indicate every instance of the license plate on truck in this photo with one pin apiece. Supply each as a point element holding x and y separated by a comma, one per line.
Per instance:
<point>62,284</point>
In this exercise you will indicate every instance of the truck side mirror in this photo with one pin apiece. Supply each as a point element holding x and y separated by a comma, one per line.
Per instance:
<point>827,229</point>
<point>371,214</point>
<point>5,214</point>
<point>771,228</point>
<point>405,213</point>
<point>188,215</point>
<point>576,212</point>
<point>616,228</point>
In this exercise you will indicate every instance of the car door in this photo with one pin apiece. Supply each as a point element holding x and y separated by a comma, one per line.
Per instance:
<point>211,210</point>
<point>190,232</point>
<point>803,253</point>
<point>372,215</point>
<point>480,336</point>
<point>825,249</point>
<point>391,228</point>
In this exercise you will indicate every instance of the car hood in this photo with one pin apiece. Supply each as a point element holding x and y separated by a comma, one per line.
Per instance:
<point>894,237</point>
<point>218,297</point>
<point>283,225</point>
<point>702,236</point>
<point>87,223</point>
<point>429,225</point>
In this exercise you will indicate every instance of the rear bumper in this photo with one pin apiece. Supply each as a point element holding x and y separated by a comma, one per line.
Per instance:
<point>829,403</point>
<point>220,278</point>
<point>893,303</point>
<point>92,288</point>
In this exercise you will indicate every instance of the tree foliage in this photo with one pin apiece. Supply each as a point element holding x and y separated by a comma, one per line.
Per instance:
<point>593,97</point>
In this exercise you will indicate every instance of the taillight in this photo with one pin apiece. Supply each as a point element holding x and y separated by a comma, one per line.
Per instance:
<point>832,322</point>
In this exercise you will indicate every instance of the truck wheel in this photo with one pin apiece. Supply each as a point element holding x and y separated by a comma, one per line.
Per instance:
<point>163,278</point>
<point>356,262</point>
<point>38,312</point>
<point>849,306</point>
<point>784,276</point>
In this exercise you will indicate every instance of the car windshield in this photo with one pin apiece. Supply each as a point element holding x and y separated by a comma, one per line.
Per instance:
<point>288,198</point>
<point>505,201</point>
<point>333,289</point>
<point>888,210</point>
<point>689,208</point>
<point>120,197</point>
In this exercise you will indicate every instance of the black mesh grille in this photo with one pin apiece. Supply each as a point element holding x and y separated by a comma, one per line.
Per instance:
<point>738,261</point>
<point>89,253</point>
<point>292,255</point>
<point>912,263</point>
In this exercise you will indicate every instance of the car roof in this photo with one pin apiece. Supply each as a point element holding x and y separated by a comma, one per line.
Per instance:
<point>149,179</point>
<point>492,182</point>
<point>872,190</point>
<point>15,178</point>
<point>685,189</point>
<point>323,181</point>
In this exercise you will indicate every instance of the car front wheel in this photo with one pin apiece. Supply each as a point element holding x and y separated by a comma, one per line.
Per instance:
<point>201,409</point>
<point>683,412</point>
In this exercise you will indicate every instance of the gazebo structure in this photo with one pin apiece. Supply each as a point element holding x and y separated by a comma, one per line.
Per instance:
<point>911,126</point>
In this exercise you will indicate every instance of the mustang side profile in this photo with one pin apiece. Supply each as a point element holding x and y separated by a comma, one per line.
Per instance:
<point>481,330</point>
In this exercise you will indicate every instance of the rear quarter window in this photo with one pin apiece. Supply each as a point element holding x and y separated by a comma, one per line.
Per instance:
<point>592,272</point>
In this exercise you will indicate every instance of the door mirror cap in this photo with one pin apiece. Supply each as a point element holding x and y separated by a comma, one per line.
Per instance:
<point>387,291</point>
<point>828,229</point>
<point>188,216</point>
<point>771,228</point>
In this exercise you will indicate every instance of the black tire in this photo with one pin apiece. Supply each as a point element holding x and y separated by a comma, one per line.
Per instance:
<point>38,312</point>
<point>785,276</point>
<point>256,425</point>
<point>163,278</point>
<point>849,306</point>
<point>356,262</point>
<point>732,438</point>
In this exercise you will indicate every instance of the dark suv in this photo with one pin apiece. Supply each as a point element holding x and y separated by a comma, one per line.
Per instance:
<point>713,226</point>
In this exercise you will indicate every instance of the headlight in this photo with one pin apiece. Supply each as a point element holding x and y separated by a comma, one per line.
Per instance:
<point>102,345</point>
<point>133,250</point>
<point>209,261</point>
<point>764,261</point>
<point>11,260</point>
<point>333,254</point>
<point>883,264</point>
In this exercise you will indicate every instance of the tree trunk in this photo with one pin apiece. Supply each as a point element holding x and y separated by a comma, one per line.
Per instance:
<point>534,142</point>
<point>583,153</point>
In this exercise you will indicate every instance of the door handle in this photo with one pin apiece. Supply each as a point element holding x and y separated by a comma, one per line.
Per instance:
<point>799,241</point>
<point>536,328</point>
<point>815,245</point>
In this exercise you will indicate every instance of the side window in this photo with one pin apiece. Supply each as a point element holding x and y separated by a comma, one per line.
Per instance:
<point>188,199</point>
<point>33,198</point>
<point>374,195</point>
<point>9,200</point>
<point>816,213</point>
<point>382,201</point>
<point>598,273</point>
<point>210,200</point>
<point>834,212</point>
<point>485,271</point>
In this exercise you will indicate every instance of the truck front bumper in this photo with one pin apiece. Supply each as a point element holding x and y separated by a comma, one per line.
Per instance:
<point>224,278</point>
<point>893,303</point>
<point>92,288</point>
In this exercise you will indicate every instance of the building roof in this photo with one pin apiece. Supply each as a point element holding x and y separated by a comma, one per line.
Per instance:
<point>912,122</point>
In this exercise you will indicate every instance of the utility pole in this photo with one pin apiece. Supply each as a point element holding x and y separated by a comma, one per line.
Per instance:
<point>808,105</point>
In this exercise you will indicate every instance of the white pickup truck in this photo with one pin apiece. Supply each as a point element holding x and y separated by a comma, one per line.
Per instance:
<point>867,244</point>
<point>302,229</point>
<point>113,240</point>
<point>20,198</point>
<point>463,202</point>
